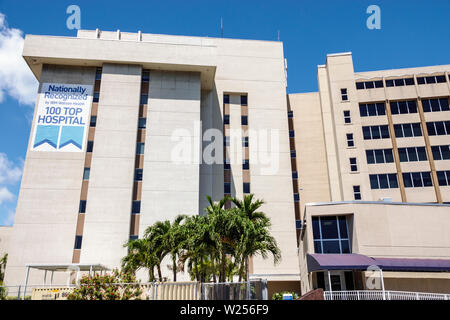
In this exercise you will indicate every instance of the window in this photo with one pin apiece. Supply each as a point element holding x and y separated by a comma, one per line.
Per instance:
<point>443,178</point>
<point>291,133</point>
<point>93,121</point>
<point>403,107</point>
<point>438,128</point>
<point>294,175</point>
<point>245,141</point>
<point>226,141</point>
<point>82,208</point>
<point>441,152</point>
<point>353,165</point>
<point>246,165</point>
<point>435,105</point>
<point>357,192</point>
<point>372,109</point>
<point>344,94</point>
<point>244,120</point>
<point>226,119</point>
<point>78,240</point>
<point>136,207</point>
<point>412,154</point>
<point>227,187</point>
<point>142,123</point>
<point>140,147</point>
<point>379,156</point>
<point>290,114</point>
<point>400,82</point>
<point>406,130</point>
<point>226,166</point>
<point>90,146</point>
<point>375,132</point>
<point>145,76</point>
<point>96,97</point>
<point>383,181</point>
<point>298,224</point>
<point>138,174</point>
<point>331,234</point>
<point>430,79</point>
<point>144,99</point>
<point>246,187</point>
<point>369,84</point>
<point>417,179</point>
<point>226,98</point>
<point>134,237</point>
<point>243,100</point>
<point>296,197</point>
<point>350,142</point>
<point>98,74</point>
<point>293,154</point>
<point>347,118</point>
<point>86,173</point>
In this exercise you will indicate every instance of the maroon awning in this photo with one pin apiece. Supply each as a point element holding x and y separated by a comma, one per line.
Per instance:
<point>354,261</point>
<point>349,261</point>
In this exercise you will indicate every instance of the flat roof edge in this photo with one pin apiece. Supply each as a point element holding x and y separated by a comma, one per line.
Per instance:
<point>314,204</point>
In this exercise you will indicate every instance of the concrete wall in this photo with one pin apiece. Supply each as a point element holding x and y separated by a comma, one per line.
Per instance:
<point>5,236</point>
<point>45,233</point>
<point>108,210</point>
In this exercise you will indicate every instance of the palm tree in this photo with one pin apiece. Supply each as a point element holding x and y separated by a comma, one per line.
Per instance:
<point>258,226</point>
<point>172,240</point>
<point>140,255</point>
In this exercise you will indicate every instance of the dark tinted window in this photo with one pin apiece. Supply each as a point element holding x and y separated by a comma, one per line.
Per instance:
<point>136,207</point>
<point>82,208</point>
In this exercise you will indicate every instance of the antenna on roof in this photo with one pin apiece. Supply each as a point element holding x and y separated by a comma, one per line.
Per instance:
<point>278,35</point>
<point>221,27</point>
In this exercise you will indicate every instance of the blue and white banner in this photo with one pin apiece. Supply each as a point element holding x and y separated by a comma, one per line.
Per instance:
<point>62,117</point>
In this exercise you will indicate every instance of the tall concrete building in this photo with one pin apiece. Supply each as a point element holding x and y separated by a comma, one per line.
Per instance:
<point>120,123</point>
<point>372,174</point>
<point>125,133</point>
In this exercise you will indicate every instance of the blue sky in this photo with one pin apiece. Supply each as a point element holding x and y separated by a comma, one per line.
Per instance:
<point>413,33</point>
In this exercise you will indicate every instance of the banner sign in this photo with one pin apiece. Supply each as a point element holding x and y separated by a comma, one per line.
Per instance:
<point>62,117</point>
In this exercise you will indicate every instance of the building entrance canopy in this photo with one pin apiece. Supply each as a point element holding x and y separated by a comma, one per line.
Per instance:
<point>353,261</point>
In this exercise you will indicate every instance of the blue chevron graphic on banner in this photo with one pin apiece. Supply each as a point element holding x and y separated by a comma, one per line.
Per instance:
<point>46,134</point>
<point>71,135</point>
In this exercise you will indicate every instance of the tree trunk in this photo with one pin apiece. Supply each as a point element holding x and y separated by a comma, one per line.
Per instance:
<point>174,267</point>
<point>159,272</point>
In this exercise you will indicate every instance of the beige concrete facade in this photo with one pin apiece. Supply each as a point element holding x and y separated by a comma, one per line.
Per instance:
<point>188,79</point>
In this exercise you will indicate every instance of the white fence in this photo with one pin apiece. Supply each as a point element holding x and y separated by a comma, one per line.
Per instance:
<point>383,295</point>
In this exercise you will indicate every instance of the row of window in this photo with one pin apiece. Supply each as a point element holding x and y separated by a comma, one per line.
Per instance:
<point>435,105</point>
<point>227,187</point>
<point>406,130</point>
<point>227,141</point>
<point>438,128</point>
<point>375,132</point>
<point>409,154</point>
<point>244,99</point>
<point>403,107</point>
<point>244,120</point>
<point>383,181</point>
<point>410,179</point>
<point>399,82</point>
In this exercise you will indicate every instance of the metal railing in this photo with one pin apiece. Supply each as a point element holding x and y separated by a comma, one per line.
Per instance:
<point>383,295</point>
<point>251,290</point>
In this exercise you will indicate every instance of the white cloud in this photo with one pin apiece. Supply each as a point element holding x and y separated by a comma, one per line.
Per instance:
<point>9,172</point>
<point>5,195</point>
<point>16,79</point>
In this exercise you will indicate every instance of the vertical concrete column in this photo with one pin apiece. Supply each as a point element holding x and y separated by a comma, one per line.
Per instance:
<point>235,149</point>
<point>109,199</point>
<point>171,174</point>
